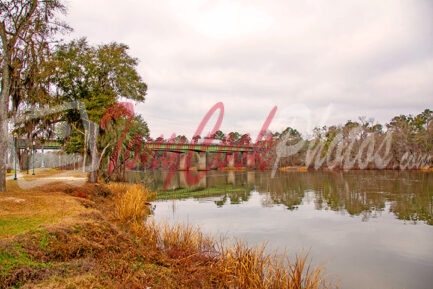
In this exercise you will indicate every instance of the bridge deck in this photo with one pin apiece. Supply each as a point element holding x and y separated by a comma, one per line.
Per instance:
<point>198,147</point>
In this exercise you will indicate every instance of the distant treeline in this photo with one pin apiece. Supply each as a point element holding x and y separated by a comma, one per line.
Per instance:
<point>406,142</point>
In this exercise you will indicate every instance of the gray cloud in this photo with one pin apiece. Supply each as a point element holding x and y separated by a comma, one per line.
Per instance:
<point>367,58</point>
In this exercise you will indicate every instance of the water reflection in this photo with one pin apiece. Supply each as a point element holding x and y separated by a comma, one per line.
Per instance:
<point>233,198</point>
<point>359,193</point>
<point>348,221</point>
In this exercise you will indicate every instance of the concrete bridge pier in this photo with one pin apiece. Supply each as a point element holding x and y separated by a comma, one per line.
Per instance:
<point>202,164</point>
<point>230,159</point>
<point>193,159</point>
<point>184,162</point>
<point>251,160</point>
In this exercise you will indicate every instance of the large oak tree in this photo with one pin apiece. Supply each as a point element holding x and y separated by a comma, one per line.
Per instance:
<point>99,77</point>
<point>26,29</point>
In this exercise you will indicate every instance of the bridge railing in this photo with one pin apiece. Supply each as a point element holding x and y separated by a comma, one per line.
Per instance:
<point>199,147</point>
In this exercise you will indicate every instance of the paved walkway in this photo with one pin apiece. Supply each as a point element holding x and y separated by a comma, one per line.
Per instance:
<point>19,175</point>
<point>66,177</point>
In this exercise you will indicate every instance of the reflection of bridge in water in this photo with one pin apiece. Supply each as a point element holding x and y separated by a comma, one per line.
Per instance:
<point>196,180</point>
<point>213,179</point>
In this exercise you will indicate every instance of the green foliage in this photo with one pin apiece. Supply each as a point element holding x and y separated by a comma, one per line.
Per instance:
<point>232,138</point>
<point>219,135</point>
<point>74,143</point>
<point>18,225</point>
<point>198,192</point>
<point>291,131</point>
<point>98,76</point>
<point>11,260</point>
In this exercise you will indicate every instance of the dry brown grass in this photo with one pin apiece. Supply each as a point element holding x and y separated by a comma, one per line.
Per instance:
<point>92,251</point>
<point>232,265</point>
<point>183,241</point>
<point>131,202</point>
<point>21,211</point>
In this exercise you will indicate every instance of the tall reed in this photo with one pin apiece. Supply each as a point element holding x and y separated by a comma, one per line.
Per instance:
<point>227,265</point>
<point>130,202</point>
<point>242,266</point>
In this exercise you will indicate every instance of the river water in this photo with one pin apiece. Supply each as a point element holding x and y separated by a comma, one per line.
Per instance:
<point>371,229</point>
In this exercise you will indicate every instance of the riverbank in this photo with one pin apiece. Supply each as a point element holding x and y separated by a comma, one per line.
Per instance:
<point>64,236</point>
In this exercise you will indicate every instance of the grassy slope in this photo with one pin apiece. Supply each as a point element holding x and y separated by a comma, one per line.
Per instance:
<point>93,236</point>
<point>61,236</point>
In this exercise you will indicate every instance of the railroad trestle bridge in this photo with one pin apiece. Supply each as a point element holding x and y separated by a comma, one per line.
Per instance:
<point>207,156</point>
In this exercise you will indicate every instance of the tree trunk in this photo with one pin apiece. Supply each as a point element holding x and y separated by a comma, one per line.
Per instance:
<point>3,140</point>
<point>4,105</point>
<point>93,141</point>
<point>86,137</point>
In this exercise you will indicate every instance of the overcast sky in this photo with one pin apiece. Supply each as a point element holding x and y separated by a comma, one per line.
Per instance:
<point>323,61</point>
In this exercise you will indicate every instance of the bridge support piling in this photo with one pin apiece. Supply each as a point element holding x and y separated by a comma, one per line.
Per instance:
<point>230,160</point>
<point>251,160</point>
<point>183,163</point>
<point>202,161</point>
